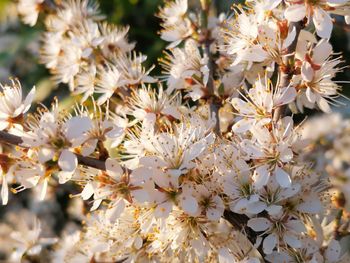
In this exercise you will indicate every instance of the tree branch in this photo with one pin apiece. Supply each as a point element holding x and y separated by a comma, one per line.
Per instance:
<point>286,72</point>
<point>11,139</point>
<point>214,106</point>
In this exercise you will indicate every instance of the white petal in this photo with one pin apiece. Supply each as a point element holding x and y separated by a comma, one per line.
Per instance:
<point>28,100</point>
<point>285,96</point>
<point>292,241</point>
<point>189,204</point>
<point>163,210</point>
<point>332,253</point>
<point>323,105</point>
<point>274,209</point>
<point>243,125</point>
<point>261,176</point>
<point>4,190</point>
<point>43,189</point>
<point>310,95</point>
<point>87,192</point>
<point>89,147</point>
<point>45,154</point>
<point>290,38</point>
<point>114,169</point>
<point>114,212</point>
<point>259,224</point>
<point>77,126</point>
<point>322,51</point>
<point>323,23</point>
<point>311,204</point>
<point>307,72</point>
<point>172,111</point>
<point>295,13</point>
<point>269,243</point>
<point>64,177</point>
<point>141,196</point>
<point>225,256</point>
<point>68,161</point>
<point>282,177</point>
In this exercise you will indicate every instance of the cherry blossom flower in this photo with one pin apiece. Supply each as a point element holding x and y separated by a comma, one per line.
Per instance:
<point>259,103</point>
<point>278,230</point>
<point>317,71</point>
<point>273,150</point>
<point>12,105</point>
<point>319,11</point>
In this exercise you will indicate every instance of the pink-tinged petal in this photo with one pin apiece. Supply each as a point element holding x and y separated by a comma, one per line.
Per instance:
<point>291,240</point>
<point>114,212</point>
<point>307,72</point>
<point>259,224</point>
<point>77,127</point>
<point>87,192</point>
<point>323,23</point>
<point>243,125</point>
<point>321,52</point>
<point>4,191</point>
<point>269,243</point>
<point>282,177</point>
<point>64,177</point>
<point>295,13</point>
<point>114,169</point>
<point>261,176</point>
<point>332,252</point>
<point>68,161</point>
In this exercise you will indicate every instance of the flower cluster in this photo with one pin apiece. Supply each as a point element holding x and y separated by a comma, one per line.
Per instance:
<point>209,164</point>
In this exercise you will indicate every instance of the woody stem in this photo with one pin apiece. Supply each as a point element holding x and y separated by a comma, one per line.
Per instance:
<point>286,73</point>
<point>11,139</point>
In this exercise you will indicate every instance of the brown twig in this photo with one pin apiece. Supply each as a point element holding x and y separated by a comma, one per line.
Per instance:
<point>214,106</point>
<point>11,139</point>
<point>286,70</point>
